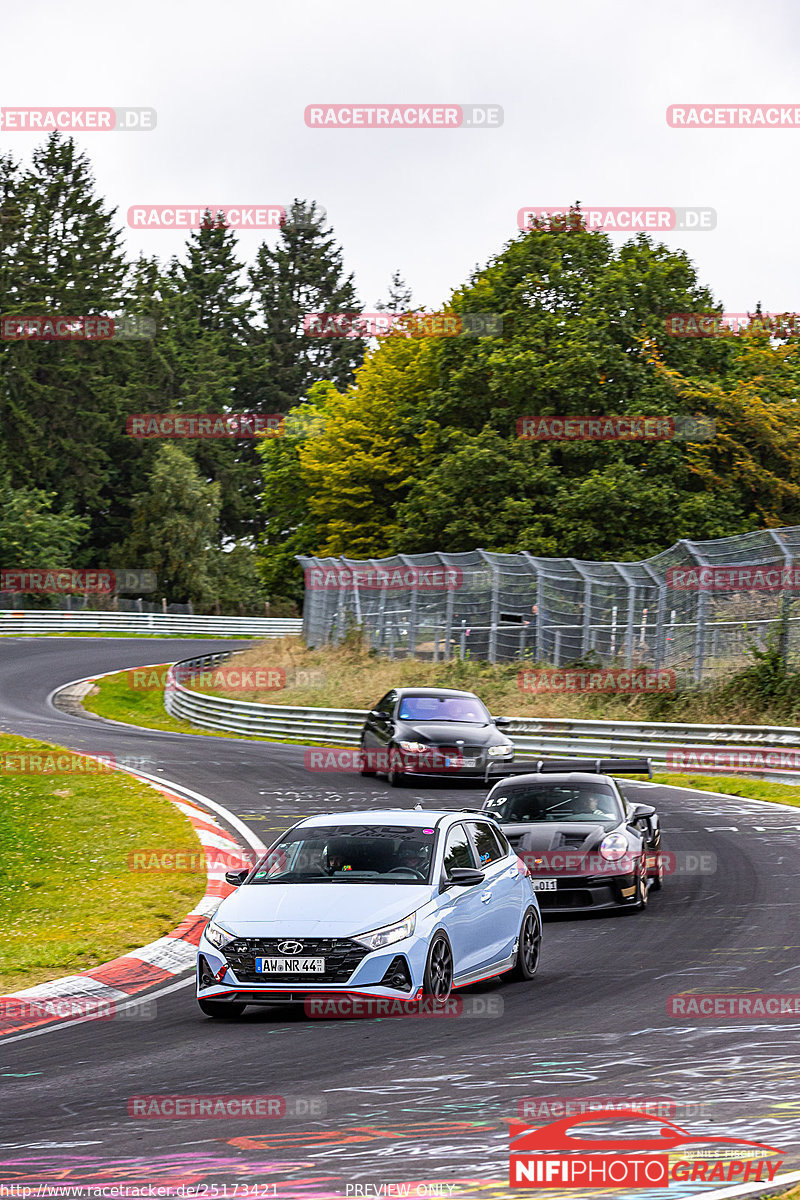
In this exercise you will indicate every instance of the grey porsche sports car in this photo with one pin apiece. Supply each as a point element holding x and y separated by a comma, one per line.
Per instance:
<point>586,846</point>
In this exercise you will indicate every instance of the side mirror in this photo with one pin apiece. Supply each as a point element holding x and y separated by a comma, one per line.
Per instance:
<point>464,877</point>
<point>379,716</point>
<point>502,722</point>
<point>234,878</point>
<point>642,815</point>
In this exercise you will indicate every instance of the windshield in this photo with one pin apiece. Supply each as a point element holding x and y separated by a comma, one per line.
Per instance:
<point>342,854</point>
<point>466,709</point>
<point>579,801</point>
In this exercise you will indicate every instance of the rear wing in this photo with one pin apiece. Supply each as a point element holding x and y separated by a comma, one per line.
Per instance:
<point>548,766</point>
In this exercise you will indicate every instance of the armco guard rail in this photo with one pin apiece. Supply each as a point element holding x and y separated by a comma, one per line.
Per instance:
<point>531,735</point>
<point>26,621</point>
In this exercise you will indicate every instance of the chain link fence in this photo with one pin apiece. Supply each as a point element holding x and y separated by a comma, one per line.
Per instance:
<point>697,608</point>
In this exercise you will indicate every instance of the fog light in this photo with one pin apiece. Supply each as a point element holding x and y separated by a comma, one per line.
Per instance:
<point>397,975</point>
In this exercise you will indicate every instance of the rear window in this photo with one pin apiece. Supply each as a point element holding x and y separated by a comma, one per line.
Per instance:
<point>486,843</point>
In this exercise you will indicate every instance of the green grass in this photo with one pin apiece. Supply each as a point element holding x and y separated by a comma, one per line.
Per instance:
<point>116,700</point>
<point>68,898</point>
<point>749,789</point>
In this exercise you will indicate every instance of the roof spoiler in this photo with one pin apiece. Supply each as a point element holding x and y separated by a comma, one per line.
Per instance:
<point>595,766</point>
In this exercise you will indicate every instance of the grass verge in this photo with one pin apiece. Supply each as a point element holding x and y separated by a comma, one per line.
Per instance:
<point>68,899</point>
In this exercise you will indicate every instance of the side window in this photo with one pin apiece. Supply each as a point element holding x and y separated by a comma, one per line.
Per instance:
<point>386,705</point>
<point>457,850</point>
<point>505,844</point>
<point>486,843</point>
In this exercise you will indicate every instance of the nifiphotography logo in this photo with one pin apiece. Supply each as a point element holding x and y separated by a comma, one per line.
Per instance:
<point>554,1156</point>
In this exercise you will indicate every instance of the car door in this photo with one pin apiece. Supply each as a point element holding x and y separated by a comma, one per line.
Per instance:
<point>503,883</point>
<point>378,729</point>
<point>464,915</point>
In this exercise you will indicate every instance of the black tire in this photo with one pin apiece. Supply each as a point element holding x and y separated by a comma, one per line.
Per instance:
<point>641,887</point>
<point>221,1008</point>
<point>363,770</point>
<point>438,980</point>
<point>394,778</point>
<point>657,880</point>
<point>529,947</point>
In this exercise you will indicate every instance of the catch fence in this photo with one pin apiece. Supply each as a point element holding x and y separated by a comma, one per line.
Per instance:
<point>697,608</point>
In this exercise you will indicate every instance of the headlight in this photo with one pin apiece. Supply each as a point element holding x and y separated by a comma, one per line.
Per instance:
<point>614,846</point>
<point>388,934</point>
<point>414,747</point>
<point>217,935</point>
<point>499,751</point>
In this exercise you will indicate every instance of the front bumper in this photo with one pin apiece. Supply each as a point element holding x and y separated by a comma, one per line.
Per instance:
<point>367,978</point>
<point>438,764</point>
<point>588,894</point>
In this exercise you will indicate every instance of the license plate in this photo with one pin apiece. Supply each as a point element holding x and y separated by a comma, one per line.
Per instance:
<point>290,966</point>
<point>460,762</point>
<point>544,885</point>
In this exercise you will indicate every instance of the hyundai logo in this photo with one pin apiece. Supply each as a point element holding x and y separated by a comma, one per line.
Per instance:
<point>290,947</point>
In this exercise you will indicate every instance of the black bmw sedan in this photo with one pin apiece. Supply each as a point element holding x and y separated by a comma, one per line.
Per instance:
<point>432,731</point>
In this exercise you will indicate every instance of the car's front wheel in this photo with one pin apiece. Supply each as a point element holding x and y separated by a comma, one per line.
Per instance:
<point>529,947</point>
<point>394,777</point>
<point>438,980</point>
<point>363,768</point>
<point>221,1008</point>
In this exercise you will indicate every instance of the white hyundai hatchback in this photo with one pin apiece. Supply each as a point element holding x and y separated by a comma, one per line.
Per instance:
<point>390,904</point>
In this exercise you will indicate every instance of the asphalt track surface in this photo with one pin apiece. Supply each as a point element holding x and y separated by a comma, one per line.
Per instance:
<point>409,1100</point>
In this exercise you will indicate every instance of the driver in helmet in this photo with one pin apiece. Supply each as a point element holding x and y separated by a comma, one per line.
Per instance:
<point>415,856</point>
<point>336,859</point>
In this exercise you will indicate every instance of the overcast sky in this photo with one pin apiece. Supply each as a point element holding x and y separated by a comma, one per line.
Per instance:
<point>584,87</point>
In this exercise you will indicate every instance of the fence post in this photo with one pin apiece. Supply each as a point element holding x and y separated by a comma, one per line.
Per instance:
<point>463,639</point>
<point>701,613</point>
<point>630,632</point>
<point>587,605</point>
<point>538,640</point>
<point>783,628</point>
<point>411,645</point>
<point>495,610</point>
<point>660,642</point>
